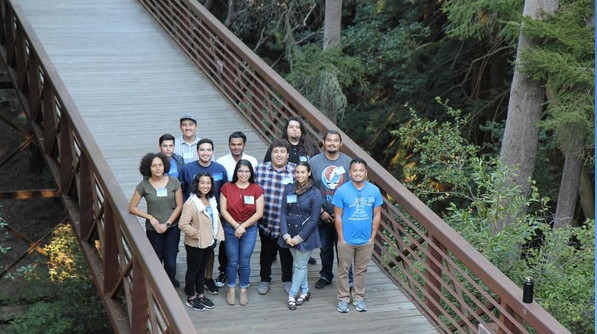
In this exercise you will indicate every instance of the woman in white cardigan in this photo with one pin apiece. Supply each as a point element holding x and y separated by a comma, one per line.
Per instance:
<point>201,226</point>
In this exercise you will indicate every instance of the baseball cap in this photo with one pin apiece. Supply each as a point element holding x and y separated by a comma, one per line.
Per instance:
<point>188,116</point>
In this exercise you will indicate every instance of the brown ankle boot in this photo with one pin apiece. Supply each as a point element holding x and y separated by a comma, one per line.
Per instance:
<point>244,297</point>
<point>231,297</point>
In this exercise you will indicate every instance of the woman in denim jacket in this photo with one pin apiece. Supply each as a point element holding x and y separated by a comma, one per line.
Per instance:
<point>299,230</point>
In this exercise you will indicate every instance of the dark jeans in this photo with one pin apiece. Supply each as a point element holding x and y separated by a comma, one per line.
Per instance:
<point>196,262</point>
<point>329,241</point>
<point>166,248</point>
<point>269,248</point>
<point>222,257</point>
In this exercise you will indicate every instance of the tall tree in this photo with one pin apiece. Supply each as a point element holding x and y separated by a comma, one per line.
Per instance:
<point>332,23</point>
<point>525,107</point>
<point>565,60</point>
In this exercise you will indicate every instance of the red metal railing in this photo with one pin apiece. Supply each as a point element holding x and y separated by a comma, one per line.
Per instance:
<point>457,288</point>
<point>134,288</point>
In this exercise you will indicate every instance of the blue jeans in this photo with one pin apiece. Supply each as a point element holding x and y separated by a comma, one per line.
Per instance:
<point>166,248</point>
<point>239,253</point>
<point>300,273</point>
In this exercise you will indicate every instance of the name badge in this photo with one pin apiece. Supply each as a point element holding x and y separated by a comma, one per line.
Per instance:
<point>187,155</point>
<point>303,158</point>
<point>340,170</point>
<point>249,200</point>
<point>287,180</point>
<point>161,192</point>
<point>291,199</point>
<point>217,176</point>
<point>209,210</point>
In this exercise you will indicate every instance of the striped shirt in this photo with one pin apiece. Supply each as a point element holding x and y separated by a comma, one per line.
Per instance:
<point>273,182</point>
<point>187,151</point>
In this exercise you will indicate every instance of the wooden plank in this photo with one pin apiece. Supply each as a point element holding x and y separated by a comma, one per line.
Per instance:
<point>131,83</point>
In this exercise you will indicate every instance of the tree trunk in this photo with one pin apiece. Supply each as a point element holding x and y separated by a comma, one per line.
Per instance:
<point>520,142</point>
<point>230,15</point>
<point>569,186</point>
<point>332,23</point>
<point>587,194</point>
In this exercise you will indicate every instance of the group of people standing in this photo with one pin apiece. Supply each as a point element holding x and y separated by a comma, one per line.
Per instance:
<point>296,200</point>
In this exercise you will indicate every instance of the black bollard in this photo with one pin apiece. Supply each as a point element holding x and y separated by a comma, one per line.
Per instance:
<point>527,290</point>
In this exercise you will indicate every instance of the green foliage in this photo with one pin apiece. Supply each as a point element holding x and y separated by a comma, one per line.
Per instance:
<point>564,58</point>
<point>62,298</point>
<point>321,77</point>
<point>561,261</point>
<point>483,19</point>
<point>441,159</point>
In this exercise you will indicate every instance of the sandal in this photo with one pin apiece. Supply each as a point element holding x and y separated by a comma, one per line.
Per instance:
<point>291,304</point>
<point>303,298</point>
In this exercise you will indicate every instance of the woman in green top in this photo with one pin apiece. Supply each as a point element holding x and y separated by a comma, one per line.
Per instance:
<point>164,204</point>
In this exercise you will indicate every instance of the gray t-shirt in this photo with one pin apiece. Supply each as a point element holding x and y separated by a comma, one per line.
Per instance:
<point>329,175</point>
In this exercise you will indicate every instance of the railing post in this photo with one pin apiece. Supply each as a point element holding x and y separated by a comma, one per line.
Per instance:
<point>35,89</point>
<point>505,321</point>
<point>431,281</point>
<point>139,300</point>
<point>66,157</point>
<point>110,249</point>
<point>85,196</point>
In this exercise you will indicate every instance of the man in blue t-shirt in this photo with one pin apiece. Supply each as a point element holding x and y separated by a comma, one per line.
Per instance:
<point>357,215</point>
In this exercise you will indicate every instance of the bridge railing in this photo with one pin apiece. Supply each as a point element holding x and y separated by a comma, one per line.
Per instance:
<point>457,288</point>
<point>134,288</point>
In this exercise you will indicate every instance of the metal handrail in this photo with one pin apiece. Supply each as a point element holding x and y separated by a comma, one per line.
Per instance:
<point>454,285</point>
<point>134,288</point>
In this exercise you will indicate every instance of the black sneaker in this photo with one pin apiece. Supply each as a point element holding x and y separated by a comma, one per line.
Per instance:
<point>321,283</point>
<point>312,260</point>
<point>206,302</point>
<point>176,283</point>
<point>194,304</point>
<point>221,280</point>
<point>211,287</point>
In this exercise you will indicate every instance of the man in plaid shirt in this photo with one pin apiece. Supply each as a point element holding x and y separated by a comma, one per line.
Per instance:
<point>273,176</point>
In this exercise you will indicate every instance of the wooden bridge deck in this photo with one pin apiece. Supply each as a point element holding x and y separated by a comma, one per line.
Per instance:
<point>131,83</point>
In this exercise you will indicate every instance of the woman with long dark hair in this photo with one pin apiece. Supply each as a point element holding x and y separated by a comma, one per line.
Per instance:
<point>201,225</point>
<point>241,204</point>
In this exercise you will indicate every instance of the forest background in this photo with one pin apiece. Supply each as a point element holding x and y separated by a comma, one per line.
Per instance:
<point>483,108</point>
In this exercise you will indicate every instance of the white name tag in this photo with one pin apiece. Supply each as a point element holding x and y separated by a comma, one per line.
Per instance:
<point>291,198</point>
<point>249,200</point>
<point>217,177</point>
<point>161,192</point>
<point>340,170</point>
<point>188,155</point>
<point>287,180</point>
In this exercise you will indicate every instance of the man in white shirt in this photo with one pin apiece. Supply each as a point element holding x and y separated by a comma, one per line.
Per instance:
<point>236,144</point>
<point>186,144</point>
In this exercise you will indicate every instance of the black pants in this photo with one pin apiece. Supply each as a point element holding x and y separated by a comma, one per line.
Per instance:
<point>222,257</point>
<point>196,263</point>
<point>269,249</point>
